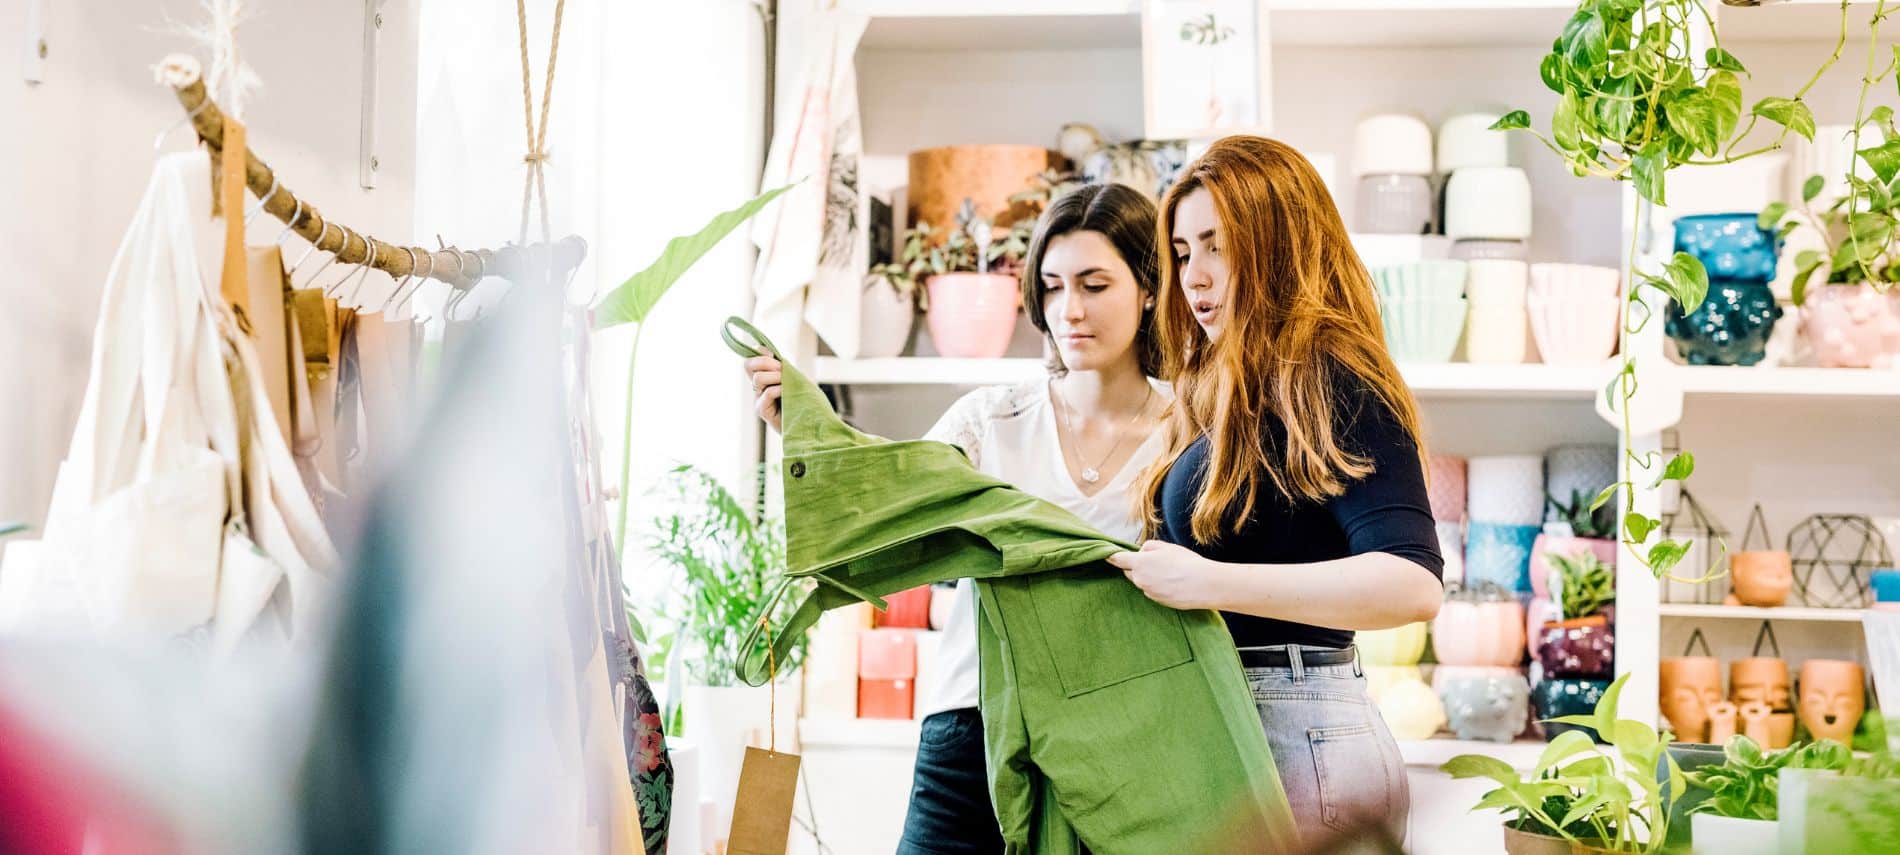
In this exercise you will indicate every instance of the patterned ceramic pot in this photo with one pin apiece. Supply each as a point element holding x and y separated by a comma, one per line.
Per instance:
<point>1852,326</point>
<point>1730,246</point>
<point>1493,707</point>
<point>1487,633</point>
<point>1582,647</point>
<point>1556,698</point>
<point>1731,327</point>
<point>1499,554</point>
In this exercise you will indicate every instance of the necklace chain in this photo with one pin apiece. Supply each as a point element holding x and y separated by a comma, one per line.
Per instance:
<point>1093,474</point>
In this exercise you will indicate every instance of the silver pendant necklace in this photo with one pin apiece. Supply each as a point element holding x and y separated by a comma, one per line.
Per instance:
<point>1093,474</point>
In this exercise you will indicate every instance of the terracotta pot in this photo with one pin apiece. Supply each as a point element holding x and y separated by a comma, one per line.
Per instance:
<point>1525,843</point>
<point>1762,577</point>
<point>884,321</point>
<point>1780,730</point>
<point>1833,696</point>
<point>987,175</point>
<point>1689,684</point>
<point>1761,678</point>
<point>1479,633</point>
<point>1852,326</point>
<point>1566,545</point>
<point>1403,645</point>
<point>1581,647</point>
<point>972,315</point>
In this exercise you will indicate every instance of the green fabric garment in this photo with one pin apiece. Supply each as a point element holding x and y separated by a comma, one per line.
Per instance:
<point>1107,717</point>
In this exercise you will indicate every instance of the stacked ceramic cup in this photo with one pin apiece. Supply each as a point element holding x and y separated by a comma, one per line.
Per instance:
<point>1392,157</point>
<point>1478,637</point>
<point>1446,488</point>
<point>1422,305</point>
<point>1486,204</point>
<point>1498,323</point>
<point>1574,310</point>
<point>1732,324</point>
<point>1506,510</point>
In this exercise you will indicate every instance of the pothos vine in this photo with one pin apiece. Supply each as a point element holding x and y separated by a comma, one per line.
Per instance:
<point>1636,102</point>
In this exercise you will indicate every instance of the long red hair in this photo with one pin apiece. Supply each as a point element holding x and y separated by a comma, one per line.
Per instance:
<point>1301,325</point>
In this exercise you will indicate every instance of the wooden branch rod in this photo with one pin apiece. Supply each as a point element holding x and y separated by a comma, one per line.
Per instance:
<point>460,268</point>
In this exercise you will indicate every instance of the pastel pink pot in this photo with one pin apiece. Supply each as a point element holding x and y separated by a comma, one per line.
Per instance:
<point>1853,326</point>
<point>972,315</point>
<point>1574,328</point>
<point>1479,633</point>
<point>1566,545</point>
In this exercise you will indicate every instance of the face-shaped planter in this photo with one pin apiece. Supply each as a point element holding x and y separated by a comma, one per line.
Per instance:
<point>1723,721</point>
<point>1479,633</point>
<point>1491,707</point>
<point>1561,697</point>
<point>1761,679</point>
<point>1583,647</point>
<point>1411,710</point>
<point>1689,685</point>
<point>1833,696</point>
<point>1762,577</point>
<point>1403,645</point>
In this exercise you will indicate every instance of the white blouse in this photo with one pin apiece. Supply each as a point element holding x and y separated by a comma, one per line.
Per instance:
<point>1009,432</point>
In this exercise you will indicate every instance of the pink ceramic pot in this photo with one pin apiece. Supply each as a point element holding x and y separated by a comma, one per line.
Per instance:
<point>1548,544</point>
<point>1853,326</point>
<point>1574,328</point>
<point>972,315</point>
<point>1479,633</point>
<point>1446,487</point>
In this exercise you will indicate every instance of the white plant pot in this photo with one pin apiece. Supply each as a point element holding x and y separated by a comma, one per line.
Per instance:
<point>1497,336</point>
<point>1495,283</point>
<point>1468,141</point>
<point>1392,144</point>
<point>722,721</point>
<point>1488,202</point>
<point>885,321</point>
<point>1722,835</point>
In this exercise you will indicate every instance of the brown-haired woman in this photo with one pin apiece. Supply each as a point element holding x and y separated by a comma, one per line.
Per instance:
<point>1291,493</point>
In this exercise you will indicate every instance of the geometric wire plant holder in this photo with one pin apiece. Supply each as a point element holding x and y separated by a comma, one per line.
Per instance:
<point>1690,521</point>
<point>1834,556</point>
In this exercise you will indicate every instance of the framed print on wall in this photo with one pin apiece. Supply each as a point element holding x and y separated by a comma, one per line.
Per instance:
<point>1205,68</point>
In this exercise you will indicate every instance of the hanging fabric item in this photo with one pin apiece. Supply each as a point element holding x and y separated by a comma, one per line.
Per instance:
<point>648,760</point>
<point>178,509</point>
<point>812,247</point>
<point>1149,743</point>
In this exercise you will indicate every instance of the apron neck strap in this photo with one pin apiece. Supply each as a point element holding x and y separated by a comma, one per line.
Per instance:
<point>761,345</point>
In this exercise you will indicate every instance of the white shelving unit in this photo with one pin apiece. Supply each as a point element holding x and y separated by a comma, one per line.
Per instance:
<point>1752,613</point>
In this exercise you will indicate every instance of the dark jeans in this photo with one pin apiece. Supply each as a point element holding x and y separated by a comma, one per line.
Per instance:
<point>950,811</point>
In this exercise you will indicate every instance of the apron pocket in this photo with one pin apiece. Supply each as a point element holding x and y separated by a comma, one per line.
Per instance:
<point>1101,630</point>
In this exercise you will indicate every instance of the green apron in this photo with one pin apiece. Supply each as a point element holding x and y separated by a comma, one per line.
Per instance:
<point>1107,717</point>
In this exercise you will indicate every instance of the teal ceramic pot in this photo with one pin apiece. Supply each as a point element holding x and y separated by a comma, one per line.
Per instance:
<point>1499,554</point>
<point>1731,327</point>
<point>1555,698</point>
<point>1730,246</point>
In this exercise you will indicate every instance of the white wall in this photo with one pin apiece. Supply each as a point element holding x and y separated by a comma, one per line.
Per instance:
<point>78,149</point>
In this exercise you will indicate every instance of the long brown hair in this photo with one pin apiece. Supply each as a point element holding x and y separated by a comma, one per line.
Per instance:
<point>1127,219</point>
<point>1301,326</point>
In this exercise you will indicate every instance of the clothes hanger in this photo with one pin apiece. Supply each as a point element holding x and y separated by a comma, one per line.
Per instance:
<point>290,224</point>
<point>362,273</point>
<point>313,248</point>
<point>258,207</point>
<point>347,234</point>
<point>158,143</point>
<point>414,268</point>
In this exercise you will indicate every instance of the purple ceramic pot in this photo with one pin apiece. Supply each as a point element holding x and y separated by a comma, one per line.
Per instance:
<point>1583,648</point>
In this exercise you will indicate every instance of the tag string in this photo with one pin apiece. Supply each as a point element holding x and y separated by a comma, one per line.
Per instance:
<point>771,685</point>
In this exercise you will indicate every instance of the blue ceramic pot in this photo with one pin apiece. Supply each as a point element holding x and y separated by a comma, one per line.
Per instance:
<point>1731,327</point>
<point>1886,583</point>
<point>1499,554</point>
<point>1730,246</point>
<point>1561,697</point>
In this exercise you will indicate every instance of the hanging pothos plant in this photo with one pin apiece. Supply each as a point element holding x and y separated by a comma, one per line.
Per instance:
<point>1636,100</point>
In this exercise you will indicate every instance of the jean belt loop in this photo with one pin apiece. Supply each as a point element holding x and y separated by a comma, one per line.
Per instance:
<point>1299,665</point>
<point>1358,665</point>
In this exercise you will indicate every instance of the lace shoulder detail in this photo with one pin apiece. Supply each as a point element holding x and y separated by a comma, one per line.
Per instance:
<point>968,420</point>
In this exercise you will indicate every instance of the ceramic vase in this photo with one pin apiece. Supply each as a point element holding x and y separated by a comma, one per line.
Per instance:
<point>1491,202</point>
<point>1564,696</point>
<point>1761,679</point>
<point>1579,648</point>
<point>1479,633</point>
<point>1390,204</point>
<point>1852,326</point>
<point>1574,310</point>
<point>1723,835</point>
<point>1497,323</point>
<point>1490,707</point>
<point>1451,546</point>
<point>1499,554</point>
<point>1731,327</point>
<point>885,320</point>
<point>1403,645</point>
<point>1445,487</point>
<point>1730,246</point>
<point>1833,696</point>
<point>1507,489</point>
<point>1761,577</point>
<point>1392,144</point>
<point>1537,613</point>
<point>972,315</point>
<point>1467,141</point>
<point>1476,249</point>
<point>1422,329</point>
<point>1577,472</point>
<point>1689,685</point>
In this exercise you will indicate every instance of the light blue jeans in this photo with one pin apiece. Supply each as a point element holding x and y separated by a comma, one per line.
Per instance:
<point>1339,764</point>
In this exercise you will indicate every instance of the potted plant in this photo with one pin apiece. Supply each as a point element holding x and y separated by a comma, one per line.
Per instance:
<point>728,563</point>
<point>1581,796</point>
<point>1578,529</point>
<point>1737,817</point>
<point>1583,642</point>
<point>1853,320</point>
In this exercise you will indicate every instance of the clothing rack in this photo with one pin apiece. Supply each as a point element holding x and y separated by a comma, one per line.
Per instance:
<point>460,268</point>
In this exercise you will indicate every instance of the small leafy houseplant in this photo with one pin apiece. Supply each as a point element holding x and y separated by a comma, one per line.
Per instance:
<point>965,249</point>
<point>1585,585</point>
<point>1863,251</point>
<point>1581,519</point>
<point>1608,797</point>
<point>1745,785</point>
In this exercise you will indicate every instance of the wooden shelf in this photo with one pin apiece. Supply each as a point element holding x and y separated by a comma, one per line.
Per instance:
<point>1807,615</point>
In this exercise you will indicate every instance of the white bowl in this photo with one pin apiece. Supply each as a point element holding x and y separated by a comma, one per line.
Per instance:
<point>1488,202</point>
<point>1422,329</point>
<point>1558,280</point>
<point>1467,141</point>
<point>1392,144</point>
<point>1496,283</point>
<point>1576,328</point>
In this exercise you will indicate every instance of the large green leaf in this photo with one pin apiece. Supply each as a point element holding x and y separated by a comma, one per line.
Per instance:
<point>1584,41</point>
<point>1770,216</point>
<point>1812,187</point>
<point>1884,159</point>
<point>1690,280</point>
<point>1639,526</point>
<point>1721,59</point>
<point>1647,169</point>
<point>1617,114</point>
<point>1725,98</point>
<point>1480,766</point>
<point>630,303</point>
<point>1565,746</point>
<point>1664,556</point>
<point>1515,120</point>
<point>1679,468</point>
<point>1805,263</point>
<point>1552,71</point>
<point>1565,123</point>
<point>1606,707</point>
<point>1792,114</point>
<point>1694,116</point>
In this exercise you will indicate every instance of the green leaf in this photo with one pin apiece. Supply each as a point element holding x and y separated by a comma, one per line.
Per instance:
<point>1690,278</point>
<point>1721,59</point>
<point>1789,113</point>
<point>1631,735</point>
<point>10,528</point>
<point>1513,121</point>
<point>1812,187</point>
<point>1664,556</point>
<point>1741,751</point>
<point>1771,215</point>
<point>1606,707</point>
<point>1551,71</point>
<point>1564,123</point>
<point>1725,97</point>
<point>1806,262</point>
<point>1678,469</point>
<point>1647,169</point>
<point>1871,228</point>
<point>1639,526</point>
<point>630,303</point>
<point>1694,116</point>
<point>1569,744</point>
<point>1884,159</point>
<point>1480,766</point>
<point>1786,229</point>
<point>1617,114</point>
<point>1584,42</point>
<point>1604,497</point>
